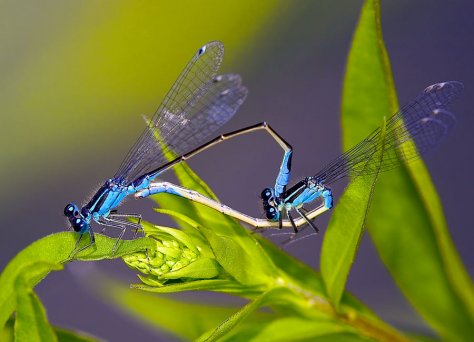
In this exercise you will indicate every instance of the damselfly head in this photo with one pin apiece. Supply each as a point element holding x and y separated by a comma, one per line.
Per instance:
<point>270,204</point>
<point>71,210</point>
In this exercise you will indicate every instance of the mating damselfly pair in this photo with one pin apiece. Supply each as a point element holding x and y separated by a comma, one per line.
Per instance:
<point>200,102</point>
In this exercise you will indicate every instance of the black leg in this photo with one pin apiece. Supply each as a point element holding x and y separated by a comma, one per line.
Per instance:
<point>311,224</point>
<point>115,217</point>
<point>75,250</point>
<point>292,222</point>
<point>113,224</point>
<point>78,240</point>
<point>118,240</point>
<point>122,220</point>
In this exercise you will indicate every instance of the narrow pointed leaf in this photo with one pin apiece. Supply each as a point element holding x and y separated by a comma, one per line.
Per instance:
<point>216,285</point>
<point>236,318</point>
<point>289,329</point>
<point>65,335</point>
<point>343,235</point>
<point>184,318</point>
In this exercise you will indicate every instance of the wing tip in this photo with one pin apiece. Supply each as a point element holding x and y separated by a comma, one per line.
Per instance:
<point>456,87</point>
<point>215,46</point>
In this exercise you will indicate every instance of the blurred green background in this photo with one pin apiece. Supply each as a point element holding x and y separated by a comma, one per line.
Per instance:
<point>76,77</point>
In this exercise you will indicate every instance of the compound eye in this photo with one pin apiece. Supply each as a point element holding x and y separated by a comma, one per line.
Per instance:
<point>266,194</point>
<point>272,214</point>
<point>77,223</point>
<point>71,210</point>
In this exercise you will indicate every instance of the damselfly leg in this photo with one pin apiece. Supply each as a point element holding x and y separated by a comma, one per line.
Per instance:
<point>302,212</point>
<point>76,250</point>
<point>108,223</point>
<point>125,219</point>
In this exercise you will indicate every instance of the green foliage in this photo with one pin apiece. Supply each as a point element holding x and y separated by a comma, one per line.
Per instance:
<point>182,318</point>
<point>62,335</point>
<point>32,264</point>
<point>212,252</point>
<point>31,323</point>
<point>406,220</point>
<point>344,232</point>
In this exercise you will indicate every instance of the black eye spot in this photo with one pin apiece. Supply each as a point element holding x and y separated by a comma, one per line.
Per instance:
<point>266,194</point>
<point>202,50</point>
<point>77,223</point>
<point>271,214</point>
<point>71,210</point>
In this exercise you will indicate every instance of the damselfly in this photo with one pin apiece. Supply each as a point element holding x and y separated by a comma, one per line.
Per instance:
<point>197,105</point>
<point>415,130</point>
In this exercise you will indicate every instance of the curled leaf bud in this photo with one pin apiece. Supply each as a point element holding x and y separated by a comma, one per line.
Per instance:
<point>176,256</point>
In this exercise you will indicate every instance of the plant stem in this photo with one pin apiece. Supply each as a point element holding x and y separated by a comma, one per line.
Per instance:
<point>371,327</point>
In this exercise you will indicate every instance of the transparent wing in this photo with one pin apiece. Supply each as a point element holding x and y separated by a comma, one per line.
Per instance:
<point>183,133</point>
<point>197,105</point>
<point>413,131</point>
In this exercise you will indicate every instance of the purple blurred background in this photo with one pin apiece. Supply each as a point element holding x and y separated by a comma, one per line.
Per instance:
<point>294,69</point>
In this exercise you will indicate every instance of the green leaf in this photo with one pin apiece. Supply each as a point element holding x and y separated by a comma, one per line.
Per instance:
<point>216,285</point>
<point>31,323</point>
<point>345,229</point>
<point>190,180</point>
<point>53,250</point>
<point>183,318</point>
<point>343,337</point>
<point>295,269</point>
<point>63,335</point>
<point>6,334</point>
<point>344,232</point>
<point>237,317</point>
<point>204,268</point>
<point>406,220</point>
<point>289,329</point>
